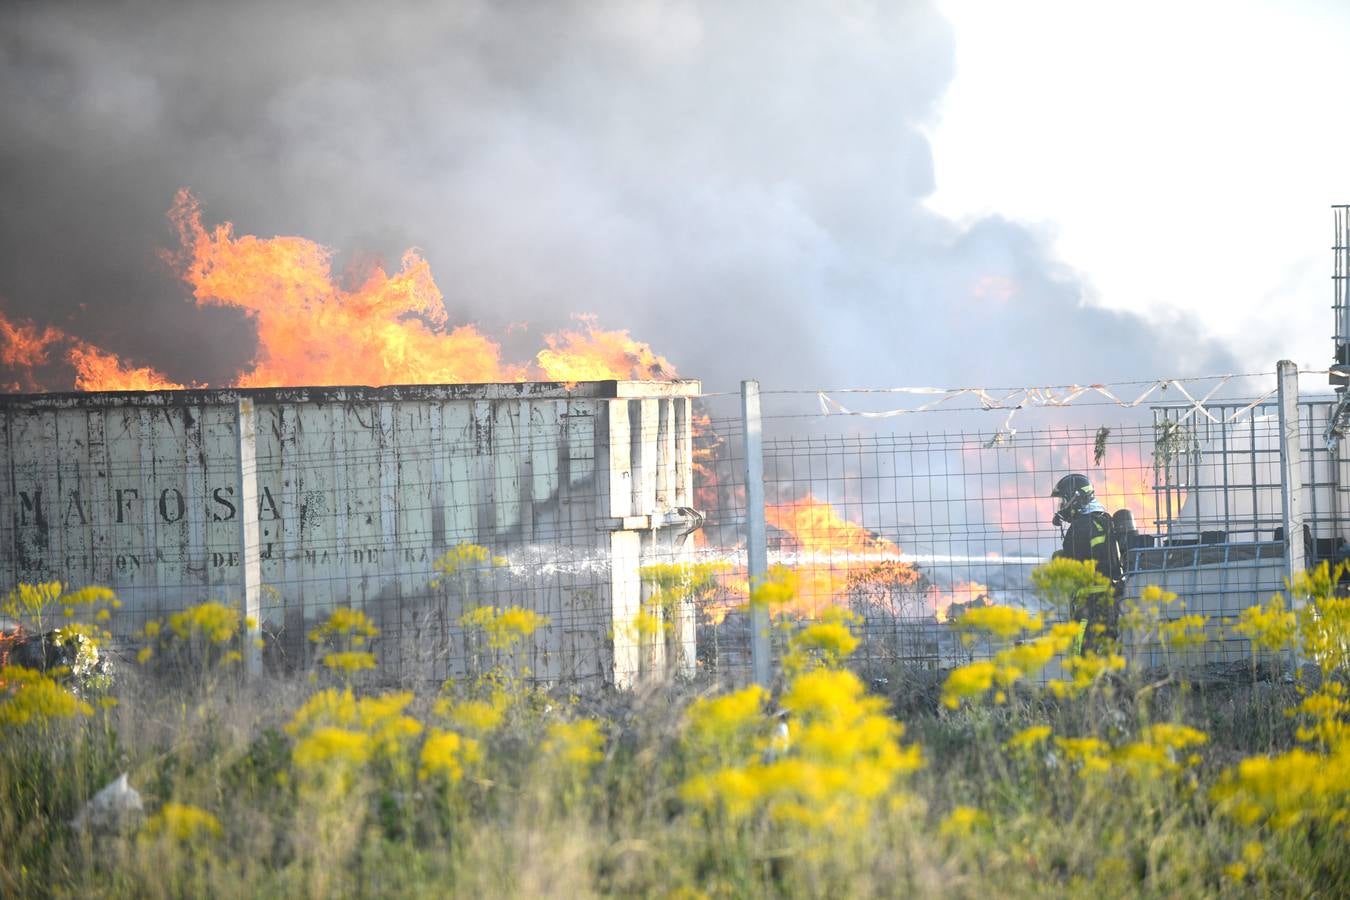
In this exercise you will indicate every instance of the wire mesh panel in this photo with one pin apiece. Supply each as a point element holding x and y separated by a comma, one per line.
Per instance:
<point>906,529</point>
<point>620,521</point>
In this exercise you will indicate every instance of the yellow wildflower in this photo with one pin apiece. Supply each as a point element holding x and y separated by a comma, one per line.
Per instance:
<point>1086,671</point>
<point>962,822</point>
<point>350,661</point>
<point>182,822</point>
<point>1270,627</point>
<point>464,557</point>
<point>779,586</point>
<point>1183,632</point>
<point>329,745</point>
<point>1028,738</point>
<point>504,627</point>
<point>575,744</point>
<point>213,622</point>
<point>344,622</point>
<point>447,755</point>
<point>1174,736</point>
<point>1089,754</point>
<point>971,680</point>
<point>28,696</point>
<point>476,716</point>
<point>726,727</point>
<point>1001,621</point>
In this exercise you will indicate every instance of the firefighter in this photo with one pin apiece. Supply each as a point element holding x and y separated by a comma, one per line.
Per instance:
<point>1091,536</point>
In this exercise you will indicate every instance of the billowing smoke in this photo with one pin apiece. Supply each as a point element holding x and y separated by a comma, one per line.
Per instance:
<point>740,184</point>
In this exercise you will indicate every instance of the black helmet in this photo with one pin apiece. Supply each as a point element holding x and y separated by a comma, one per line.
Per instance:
<point>1074,492</point>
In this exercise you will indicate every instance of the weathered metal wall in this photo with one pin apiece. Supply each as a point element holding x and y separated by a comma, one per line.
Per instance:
<point>354,493</point>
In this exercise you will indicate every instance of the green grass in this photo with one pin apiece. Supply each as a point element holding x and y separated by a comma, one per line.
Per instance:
<point>497,788</point>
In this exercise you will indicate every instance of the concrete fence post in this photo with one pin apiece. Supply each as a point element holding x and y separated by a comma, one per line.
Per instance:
<point>1291,469</point>
<point>250,565</point>
<point>756,541</point>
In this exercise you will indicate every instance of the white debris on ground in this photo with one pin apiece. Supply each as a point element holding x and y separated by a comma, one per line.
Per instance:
<point>115,807</point>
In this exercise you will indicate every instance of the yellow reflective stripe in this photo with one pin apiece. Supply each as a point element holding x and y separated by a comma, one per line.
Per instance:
<point>1100,537</point>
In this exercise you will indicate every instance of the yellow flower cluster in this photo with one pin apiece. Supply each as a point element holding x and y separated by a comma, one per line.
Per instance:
<point>342,632</point>
<point>1270,627</point>
<point>1324,712</point>
<point>347,624</point>
<point>1184,632</point>
<point>1288,790</point>
<point>182,822</point>
<point>504,627</point>
<point>1302,788</point>
<point>32,606</point>
<point>728,728</point>
<point>448,755</point>
<point>1000,621</point>
<point>213,622</point>
<point>963,821</point>
<point>464,557</point>
<point>1160,749</point>
<point>1011,664</point>
<point>1028,738</point>
<point>1085,672</point>
<point>349,661</point>
<point>475,716</point>
<point>30,697</point>
<point>825,642</point>
<point>209,624</point>
<point>778,587</point>
<point>1066,583</point>
<point>842,757</point>
<point>29,602</point>
<point>575,745</point>
<point>337,732</point>
<point>675,582</point>
<point>1145,614</point>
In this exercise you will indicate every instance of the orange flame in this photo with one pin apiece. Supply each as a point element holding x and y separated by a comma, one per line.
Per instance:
<point>388,329</point>
<point>374,328</point>
<point>595,355</point>
<point>95,368</point>
<point>964,593</point>
<point>835,557</point>
<point>23,348</point>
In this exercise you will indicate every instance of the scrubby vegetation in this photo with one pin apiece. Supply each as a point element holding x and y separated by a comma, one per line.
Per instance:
<point>1034,771</point>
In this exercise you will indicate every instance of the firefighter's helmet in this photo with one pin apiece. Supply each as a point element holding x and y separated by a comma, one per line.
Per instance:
<point>1074,492</point>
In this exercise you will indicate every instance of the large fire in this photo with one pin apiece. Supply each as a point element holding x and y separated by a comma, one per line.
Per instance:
<point>314,328</point>
<point>1122,479</point>
<point>834,558</point>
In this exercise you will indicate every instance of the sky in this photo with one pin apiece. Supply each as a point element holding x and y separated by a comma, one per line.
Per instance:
<point>814,194</point>
<point>1180,156</point>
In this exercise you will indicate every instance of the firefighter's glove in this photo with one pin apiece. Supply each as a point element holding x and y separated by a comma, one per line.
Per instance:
<point>1057,521</point>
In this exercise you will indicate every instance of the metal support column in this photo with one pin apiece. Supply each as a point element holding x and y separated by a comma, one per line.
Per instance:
<point>757,551</point>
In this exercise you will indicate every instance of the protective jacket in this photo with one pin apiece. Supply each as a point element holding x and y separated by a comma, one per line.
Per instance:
<point>1091,536</point>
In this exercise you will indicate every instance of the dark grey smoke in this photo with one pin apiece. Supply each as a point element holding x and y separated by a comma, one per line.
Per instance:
<point>741,184</point>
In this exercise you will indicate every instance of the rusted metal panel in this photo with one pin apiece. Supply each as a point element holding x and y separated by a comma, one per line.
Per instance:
<point>354,492</point>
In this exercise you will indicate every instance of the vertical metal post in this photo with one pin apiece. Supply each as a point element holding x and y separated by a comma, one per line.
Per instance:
<point>1291,468</point>
<point>250,565</point>
<point>756,543</point>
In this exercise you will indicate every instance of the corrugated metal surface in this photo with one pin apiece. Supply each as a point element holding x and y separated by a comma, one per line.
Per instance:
<point>355,492</point>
